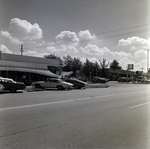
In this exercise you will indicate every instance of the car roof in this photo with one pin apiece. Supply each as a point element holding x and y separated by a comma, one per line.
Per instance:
<point>6,78</point>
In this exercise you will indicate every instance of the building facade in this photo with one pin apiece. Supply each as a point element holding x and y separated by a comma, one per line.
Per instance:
<point>28,69</point>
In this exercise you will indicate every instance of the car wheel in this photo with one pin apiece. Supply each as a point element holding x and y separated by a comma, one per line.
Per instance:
<point>59,87</point>
<point>12,89</point>
<point>38,86</point>
<point>77,87</point>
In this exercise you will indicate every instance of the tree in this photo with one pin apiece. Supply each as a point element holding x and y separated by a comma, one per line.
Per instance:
<point>115,65</point>
<point>68,63</point>
<point>72,64</point>
<point>87,68</point>
<point>95,69</point>
<point>103,66</point>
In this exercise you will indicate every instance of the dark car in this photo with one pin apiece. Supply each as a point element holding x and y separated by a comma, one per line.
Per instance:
<point>125,79</point>
<point>77,84</point>
<point>99,80</point>
<point>11,85</point>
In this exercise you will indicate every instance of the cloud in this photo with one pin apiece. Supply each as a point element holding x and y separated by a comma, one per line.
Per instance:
<point>85,35</point>
<point>21,31</point>
<point>131,50</point>
<point>137,47</point>
<point>134,43</point>
<point>7,35</point>
<point>25,30</point>
<point>122,55</point>
<point>35,53</point>
<point>67,37</point>
<point>92,50</point>
<point>140,55</point>
<point>52,49</point>
<point>4,49</point>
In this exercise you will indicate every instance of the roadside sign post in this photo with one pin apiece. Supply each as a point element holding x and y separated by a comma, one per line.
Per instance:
<point>130,67</point>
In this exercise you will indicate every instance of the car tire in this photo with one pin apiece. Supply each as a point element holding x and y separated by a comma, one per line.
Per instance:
<point>59,87</point>
<point>37,86</point>
<point>76,87</point>
<point>13,90</point>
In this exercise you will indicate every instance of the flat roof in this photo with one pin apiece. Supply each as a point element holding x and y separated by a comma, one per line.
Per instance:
<point>31,59</point>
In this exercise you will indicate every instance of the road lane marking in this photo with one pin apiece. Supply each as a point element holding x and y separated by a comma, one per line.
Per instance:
<point>69,100</point>
<point>139,105</point>
<point>35,105</point>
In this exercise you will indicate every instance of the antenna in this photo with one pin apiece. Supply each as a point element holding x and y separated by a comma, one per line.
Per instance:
<point>21,50</point>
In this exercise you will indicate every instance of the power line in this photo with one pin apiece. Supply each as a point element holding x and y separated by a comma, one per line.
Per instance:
<point>122,29</point>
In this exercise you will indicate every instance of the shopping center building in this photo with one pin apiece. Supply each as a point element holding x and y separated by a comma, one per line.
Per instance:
<point>28,69</point>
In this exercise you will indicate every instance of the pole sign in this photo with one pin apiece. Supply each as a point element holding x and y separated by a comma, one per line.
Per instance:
<point>130,66</point>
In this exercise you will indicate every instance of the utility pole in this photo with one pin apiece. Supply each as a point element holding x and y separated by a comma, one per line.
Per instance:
<point>21,50</point>
<point>148,64</point>
<point>147,60</point>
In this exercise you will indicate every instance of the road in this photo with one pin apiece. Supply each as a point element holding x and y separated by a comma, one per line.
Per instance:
<point>117,117</point>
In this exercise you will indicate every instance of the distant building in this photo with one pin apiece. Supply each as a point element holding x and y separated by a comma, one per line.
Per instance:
<point>27,68</point>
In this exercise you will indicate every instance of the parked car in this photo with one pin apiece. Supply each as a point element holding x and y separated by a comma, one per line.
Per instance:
<point>77,84</point>
<point>1,87</point>
<point>142,79</point>
<point>53,83</point>
<point>99,80</point>
<point>11,85</point>
<point>125,79</point>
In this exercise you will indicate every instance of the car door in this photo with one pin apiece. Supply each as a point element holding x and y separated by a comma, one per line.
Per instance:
<point>47,84</point>
<point>54,83</point>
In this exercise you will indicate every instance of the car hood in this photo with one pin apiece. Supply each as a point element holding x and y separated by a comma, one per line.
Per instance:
<point>68,83</point>
<point>20,83</point>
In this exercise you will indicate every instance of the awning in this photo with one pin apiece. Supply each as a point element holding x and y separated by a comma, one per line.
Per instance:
<point>37,71</point>
<point>64,73</point>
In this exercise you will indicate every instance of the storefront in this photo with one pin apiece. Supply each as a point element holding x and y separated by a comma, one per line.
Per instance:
<point>28,69</point>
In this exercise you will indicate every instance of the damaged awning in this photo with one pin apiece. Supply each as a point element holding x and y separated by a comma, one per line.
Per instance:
<point>37,71</point>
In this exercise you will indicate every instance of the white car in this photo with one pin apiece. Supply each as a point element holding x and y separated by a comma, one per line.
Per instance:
<point>53,83</point>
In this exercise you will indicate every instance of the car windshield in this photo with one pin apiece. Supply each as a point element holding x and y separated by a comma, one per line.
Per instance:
<point>11,81</point>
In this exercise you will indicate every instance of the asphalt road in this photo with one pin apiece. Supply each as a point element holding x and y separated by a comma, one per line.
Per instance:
<point>117,117</point>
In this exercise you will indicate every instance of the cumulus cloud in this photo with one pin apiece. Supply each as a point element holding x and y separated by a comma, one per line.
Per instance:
<point>52,49</point>
<point>25,30</point>
<point>7,35</point>
<point>4,49</point>
<point>131,50</point>
<point>140,55</point>
<point>135,43</point>
<point>21,31</point>
<point>35,53</point>
<point>67,37</point>
<point>137,47</point>
<point>85,35</point>
<point>92,50</point>
<point>122,55</point>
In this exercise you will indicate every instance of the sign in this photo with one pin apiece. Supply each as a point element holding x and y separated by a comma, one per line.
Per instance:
<point>130,66</point>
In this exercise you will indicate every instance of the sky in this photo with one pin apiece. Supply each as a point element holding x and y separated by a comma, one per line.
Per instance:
<point>94,29</point>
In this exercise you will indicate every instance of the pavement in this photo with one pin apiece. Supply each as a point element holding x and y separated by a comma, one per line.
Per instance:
<point>116,117</point>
